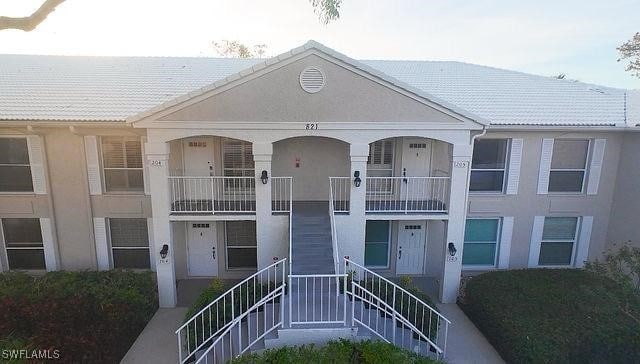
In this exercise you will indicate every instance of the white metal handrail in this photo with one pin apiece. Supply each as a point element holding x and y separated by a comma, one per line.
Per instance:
<point>212,194</point>
<point>340,190</point>
<point>317,299</point>
<point>407,194</point>
<point>387,299</point>
<point>334,232</point>
<point>198,331</point>
<point>281,194</point>
<point>258,325</point>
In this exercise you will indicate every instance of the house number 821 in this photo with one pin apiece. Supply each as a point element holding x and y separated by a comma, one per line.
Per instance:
<point>311,126</point>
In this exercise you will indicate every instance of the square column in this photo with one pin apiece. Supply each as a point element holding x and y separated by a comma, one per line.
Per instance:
<point>270,244</point>
<point>452,265</point>
<point>352,230</point>
<point>157,158</point>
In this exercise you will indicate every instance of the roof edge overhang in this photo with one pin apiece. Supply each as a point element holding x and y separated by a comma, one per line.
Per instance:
<point>309,48</point>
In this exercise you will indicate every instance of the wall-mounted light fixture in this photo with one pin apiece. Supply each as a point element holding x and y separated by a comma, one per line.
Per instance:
<point>452,249</point>
<point>356,180</point>
<point>164,251</point>
<point>264,177</point>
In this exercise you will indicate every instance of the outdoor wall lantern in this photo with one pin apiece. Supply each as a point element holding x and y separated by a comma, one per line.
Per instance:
<point>264,177</point>
<point>452,249</point>
<point>357,181</point>
<point>164,251</point>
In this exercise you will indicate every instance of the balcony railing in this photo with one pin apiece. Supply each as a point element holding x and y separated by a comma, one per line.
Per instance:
<point>407,194</point>
<point>394,194</point>
<point>211,195</point>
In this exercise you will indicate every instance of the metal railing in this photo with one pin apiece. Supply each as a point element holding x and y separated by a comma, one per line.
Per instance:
<point>340,190</point>
<point>334,232</point>
<point>212,194</point>
<point>394,314</point>
<point>407,194</point>
<point>317,299</point>
<point>228,310</point>
<point>281,194</point>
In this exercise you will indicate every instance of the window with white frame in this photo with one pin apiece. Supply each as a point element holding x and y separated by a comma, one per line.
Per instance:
<point>122,163</point>
<point>23,243</point>
<point>237,158</point>
<point>380,161</point>
<point>376,243</point>
<point>15,170</point>
<point>568,165</point>
<point>488,165</point>
<point>129,243</point>
<point>558,241</point>
<point>241,244</point>
<point>481,240</point>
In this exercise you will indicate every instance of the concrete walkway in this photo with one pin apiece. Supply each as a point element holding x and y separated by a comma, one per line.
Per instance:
<point>465,343</point>
<point>157,343</point>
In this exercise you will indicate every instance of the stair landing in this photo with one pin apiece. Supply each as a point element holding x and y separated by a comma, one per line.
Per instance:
<point>312,250</point>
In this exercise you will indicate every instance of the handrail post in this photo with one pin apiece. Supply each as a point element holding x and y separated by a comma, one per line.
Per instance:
<point>344,285</point>
<point>393,327</point>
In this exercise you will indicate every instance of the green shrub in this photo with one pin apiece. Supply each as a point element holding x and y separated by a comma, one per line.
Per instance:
<point>554,316</point>
<point>343,351</point>
<point>87,316</point>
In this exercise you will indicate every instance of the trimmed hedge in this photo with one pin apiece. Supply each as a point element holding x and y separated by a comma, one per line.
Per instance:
<point>87,316</point>
<point>555,316</point>
<point>343,351</point>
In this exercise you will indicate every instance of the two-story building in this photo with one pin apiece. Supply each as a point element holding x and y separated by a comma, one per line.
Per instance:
<point>203,167</point>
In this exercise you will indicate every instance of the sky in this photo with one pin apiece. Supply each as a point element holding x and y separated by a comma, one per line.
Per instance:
<point>577,38</point>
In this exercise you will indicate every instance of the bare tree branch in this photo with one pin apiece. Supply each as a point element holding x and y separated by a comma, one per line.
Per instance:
<point>30,22</point>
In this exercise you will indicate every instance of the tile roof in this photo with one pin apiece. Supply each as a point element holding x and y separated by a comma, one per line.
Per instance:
<point>117,88</point>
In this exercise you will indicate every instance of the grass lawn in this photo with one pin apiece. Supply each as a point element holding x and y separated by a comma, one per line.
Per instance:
<point>88,317</point>
<point>555,316</point>
<point>343,351</point>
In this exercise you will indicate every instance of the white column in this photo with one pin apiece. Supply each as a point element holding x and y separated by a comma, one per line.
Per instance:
<point>351,236</point>
<point>157,157</point>
<point>270,245</point>
<point>452,266</point>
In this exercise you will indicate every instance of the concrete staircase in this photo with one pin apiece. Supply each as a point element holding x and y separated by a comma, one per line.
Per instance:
<point>312,251</point>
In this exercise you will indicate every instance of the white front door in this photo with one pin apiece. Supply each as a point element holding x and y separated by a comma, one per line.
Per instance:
<point>416,162</point>
<point>198,156</point>
<point>411,244</point>
<point>202,249</point>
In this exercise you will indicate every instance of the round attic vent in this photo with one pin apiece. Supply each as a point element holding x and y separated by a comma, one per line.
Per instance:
<point>312,79</point>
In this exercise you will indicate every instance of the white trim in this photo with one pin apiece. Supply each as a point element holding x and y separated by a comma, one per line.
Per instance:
<point>584,240</point>
<point>94,175</point>
<point>50,260</point>
<point>505,242</point>
<point>515,161</point>
<point>103,255</point>
<point>546,156</point>
<point>3,254</point>
<point>595,167</point>
<point>145,168</point>
<point>536,240</point>
<point>36,160</point>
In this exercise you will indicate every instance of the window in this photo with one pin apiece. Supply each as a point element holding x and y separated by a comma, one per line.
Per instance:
<point>568,165</point>
<point>15,171</point>
<point>488,165</point>
<point>558,241</point>
<point>129,243</point>
<point>241,244</point>
<point>122,164</point>
<point>376,244</point>
<point>23,241</point>
<point>238,158</point>
<point>380,162</point>
<point>481,242</point>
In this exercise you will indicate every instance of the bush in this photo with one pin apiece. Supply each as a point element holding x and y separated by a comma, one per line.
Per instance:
<point>87,316</point>
<point>555,316</point>
<point>621,264</point>
<point>343,351</point>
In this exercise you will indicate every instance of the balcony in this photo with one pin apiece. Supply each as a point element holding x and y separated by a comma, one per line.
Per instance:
<point>224,195</point>
<point>404,195</point>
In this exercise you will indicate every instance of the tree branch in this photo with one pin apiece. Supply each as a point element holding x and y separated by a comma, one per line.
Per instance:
<point>29,23</point>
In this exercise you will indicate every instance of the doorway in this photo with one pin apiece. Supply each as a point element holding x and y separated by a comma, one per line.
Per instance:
<point>411,247</point>
<point>201,246</point>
